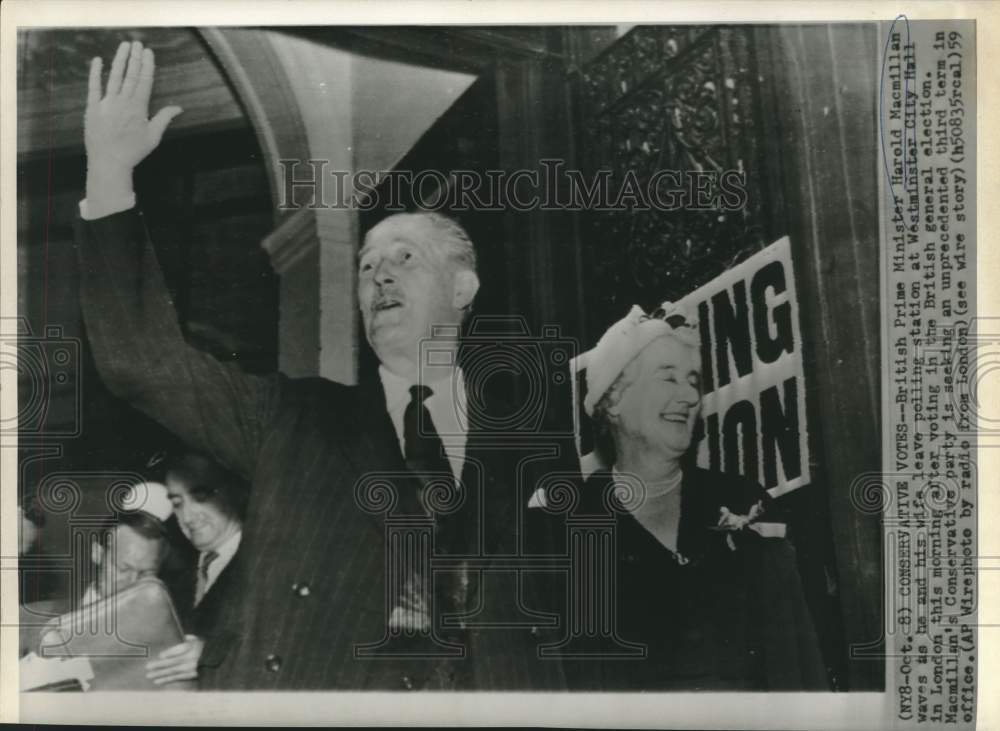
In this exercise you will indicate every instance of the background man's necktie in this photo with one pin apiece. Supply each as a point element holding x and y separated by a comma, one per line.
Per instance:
<point>202,585</point>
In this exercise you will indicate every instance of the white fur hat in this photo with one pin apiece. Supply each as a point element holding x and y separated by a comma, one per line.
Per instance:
<point>150,498</point>
<point>624,340</point>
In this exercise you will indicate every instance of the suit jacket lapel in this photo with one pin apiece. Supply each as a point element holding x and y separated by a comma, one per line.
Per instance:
<point>219,586</point>
<point>373,447</point>
<point>489,476</point>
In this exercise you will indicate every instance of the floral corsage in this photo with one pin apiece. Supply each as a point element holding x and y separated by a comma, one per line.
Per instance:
<point>733,524</point>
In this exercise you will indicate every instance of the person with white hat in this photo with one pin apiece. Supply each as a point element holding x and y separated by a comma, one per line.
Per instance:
<point>703,582</point>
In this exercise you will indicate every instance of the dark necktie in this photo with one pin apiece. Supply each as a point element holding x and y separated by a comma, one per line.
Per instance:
<point>202,585</point>
<point>426,459</point>
<point>423,450</point>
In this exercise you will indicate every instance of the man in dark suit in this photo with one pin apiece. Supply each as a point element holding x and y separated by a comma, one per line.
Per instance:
<point>209,504</point>
<point>317,600</point>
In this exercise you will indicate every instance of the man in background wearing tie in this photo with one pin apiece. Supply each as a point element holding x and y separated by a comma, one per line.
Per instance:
<point>209,504</point>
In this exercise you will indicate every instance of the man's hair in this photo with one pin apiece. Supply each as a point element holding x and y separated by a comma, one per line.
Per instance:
<point>459,248</point>
<point>208,482</point>
<point>452,237</point>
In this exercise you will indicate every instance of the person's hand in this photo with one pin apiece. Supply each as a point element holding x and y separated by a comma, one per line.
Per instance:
<point>117,130</point>
<point>179,662</point>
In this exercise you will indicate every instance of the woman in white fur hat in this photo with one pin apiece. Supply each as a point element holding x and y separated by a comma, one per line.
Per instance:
<point>709,587</point>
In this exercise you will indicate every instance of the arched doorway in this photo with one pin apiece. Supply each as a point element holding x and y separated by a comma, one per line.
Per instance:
<point>207,203</point>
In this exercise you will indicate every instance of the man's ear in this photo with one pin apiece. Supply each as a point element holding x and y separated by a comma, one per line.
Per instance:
<point>464,289</point>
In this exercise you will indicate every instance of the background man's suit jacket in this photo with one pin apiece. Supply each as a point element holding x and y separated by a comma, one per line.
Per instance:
<point>310,584</point>
<point>203,619</point>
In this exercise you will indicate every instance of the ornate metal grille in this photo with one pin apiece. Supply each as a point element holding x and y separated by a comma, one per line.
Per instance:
<point>680,98</point>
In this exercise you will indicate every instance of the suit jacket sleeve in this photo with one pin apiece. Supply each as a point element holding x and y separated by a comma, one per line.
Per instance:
<point>143,358</point>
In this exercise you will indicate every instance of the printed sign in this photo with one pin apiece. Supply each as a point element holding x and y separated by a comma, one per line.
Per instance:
<point>754,389</point>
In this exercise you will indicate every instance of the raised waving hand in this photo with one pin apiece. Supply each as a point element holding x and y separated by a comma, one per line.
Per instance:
<point>118,132</point>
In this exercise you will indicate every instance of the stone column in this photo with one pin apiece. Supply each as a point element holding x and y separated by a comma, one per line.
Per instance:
<point>298,96</point>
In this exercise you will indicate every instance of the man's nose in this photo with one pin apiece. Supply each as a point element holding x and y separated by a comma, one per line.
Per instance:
<point>190,518</point>
<point>383,273</point>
